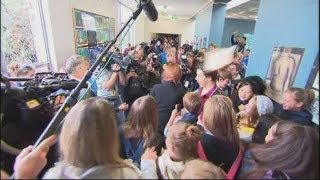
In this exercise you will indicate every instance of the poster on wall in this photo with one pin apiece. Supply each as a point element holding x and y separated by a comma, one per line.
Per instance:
<point>78,18</point>
<point>283,67</point>
<point>81,37</point>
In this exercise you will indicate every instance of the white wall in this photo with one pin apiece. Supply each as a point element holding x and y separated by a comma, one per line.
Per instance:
<point>139,29</point>
<point>60,24</point>
<point>184,27</point>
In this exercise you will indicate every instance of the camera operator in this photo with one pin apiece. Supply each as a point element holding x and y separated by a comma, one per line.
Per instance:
<point>137,77</point>
<point>188,72</point>
<point>153,68</point>
<point>108,84</point>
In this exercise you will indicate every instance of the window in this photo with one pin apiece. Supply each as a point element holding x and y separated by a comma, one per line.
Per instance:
<point>125,13</point>
<point>23,37</point>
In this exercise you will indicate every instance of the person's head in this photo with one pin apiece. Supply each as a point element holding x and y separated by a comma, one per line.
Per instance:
<point>181,50</point>
<point>257,106</point>
<point>142,118</point>
<point>204,78</point>
<point>296,99</point>
<point>77,66</point>
<point>291,148</point>
<point>258,84</point>
<point>182,141</point>
<point>201,169</point>
<point>190,58</point>
<point>220,119</point>
<point>243,40</point>
<point>238,39</point>
<point>89,135</point>
<point>192,102</point>
<point>245,91</point>
<point>26,71</point>
<point>246,53</point>
<point>138,54</point>
<point>237,57</point>
<point>234,69</point>
<point>13,68</point>
<point>223,79</point>
<point>171,58</point>
<point>212,47</point>
<point>171,72</point>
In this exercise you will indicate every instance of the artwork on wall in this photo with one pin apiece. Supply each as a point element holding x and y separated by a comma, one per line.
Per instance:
<point>283,67</point>
<point>81,37</point>
<point>91,30</point>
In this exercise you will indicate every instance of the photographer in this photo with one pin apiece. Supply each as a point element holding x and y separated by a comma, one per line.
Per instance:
<point>136,78</point>
<point>108,87</point>
<point>153,68</point>
<point>188,72</point>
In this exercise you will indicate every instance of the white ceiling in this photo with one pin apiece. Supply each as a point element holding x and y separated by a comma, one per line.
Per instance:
<point>185,9</point>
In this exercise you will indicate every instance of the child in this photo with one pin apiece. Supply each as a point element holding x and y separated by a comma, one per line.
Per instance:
<point>181,146</point>
<point>191,104</point>
<point>242,95</point>
<point>234,69</point>
<point>200,169</point>
<point>296,102</point>
<point>223,80</point>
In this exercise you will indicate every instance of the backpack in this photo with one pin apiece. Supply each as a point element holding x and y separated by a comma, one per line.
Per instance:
<point>133,153</point>
<point>134,89</point>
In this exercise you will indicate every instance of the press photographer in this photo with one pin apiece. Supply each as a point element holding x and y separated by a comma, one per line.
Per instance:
<point>188,71</point>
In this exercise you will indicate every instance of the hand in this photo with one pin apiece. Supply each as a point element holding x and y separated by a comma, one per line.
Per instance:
<point>149,154</point>
<point>174,113</point>
<point>123,107</point>
<point>116,67</point>
<point>30,162</point>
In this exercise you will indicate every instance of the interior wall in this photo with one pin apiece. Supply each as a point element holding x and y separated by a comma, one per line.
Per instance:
<point>183,27</point>
<point>60,20</point>
<point>230,25</point>
<point>203,24</point>
<point>297,26</point>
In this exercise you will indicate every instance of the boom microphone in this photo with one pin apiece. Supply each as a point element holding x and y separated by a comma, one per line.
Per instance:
<point>149,9</point>
<point>62,85</point>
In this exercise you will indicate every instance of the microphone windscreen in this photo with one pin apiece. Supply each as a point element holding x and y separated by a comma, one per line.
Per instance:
<point>150,10</point>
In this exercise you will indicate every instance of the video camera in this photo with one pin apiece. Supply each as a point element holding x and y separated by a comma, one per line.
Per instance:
<point>184,63</point>
<point>155,63</point>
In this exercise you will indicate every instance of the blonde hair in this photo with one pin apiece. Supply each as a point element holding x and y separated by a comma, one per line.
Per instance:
<point>142,119</point>
<point>303,95</point>
<point>220,119</point>
<point>184,137</point>
<point>89,135</point>
<point>224,74</point>
<point>172,72</point>
<point>192,102</point>
<point>200,169</point>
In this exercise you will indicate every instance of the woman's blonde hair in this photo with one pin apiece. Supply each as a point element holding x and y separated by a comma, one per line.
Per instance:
<point>184,137</point>
<point>89,135</point>
<point>220,119</point>
<point>200,169</point>
<point>142,119</point>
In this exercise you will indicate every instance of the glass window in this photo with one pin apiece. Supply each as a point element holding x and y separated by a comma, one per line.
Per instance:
<point>22,33</point>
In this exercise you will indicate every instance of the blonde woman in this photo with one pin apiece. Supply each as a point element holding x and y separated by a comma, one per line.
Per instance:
<point>89,146</point>
<point>221,141</point>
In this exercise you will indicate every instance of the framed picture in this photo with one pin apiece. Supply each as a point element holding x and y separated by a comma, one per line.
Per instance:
<point>78,18</point>
<point>283,67</point>
<point>81,37</point>
<point>83,51</point>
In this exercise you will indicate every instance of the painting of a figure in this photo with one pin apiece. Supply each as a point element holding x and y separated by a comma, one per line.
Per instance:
<point>284,64</point>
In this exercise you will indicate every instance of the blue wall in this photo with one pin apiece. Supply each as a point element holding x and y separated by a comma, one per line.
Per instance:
<point>230,25</point>
<point>202,24</point>
<point>292,23</point>
<point>217,23</point>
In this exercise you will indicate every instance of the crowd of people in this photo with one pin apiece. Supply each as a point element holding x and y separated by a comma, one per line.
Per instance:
<point>176,112</point>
